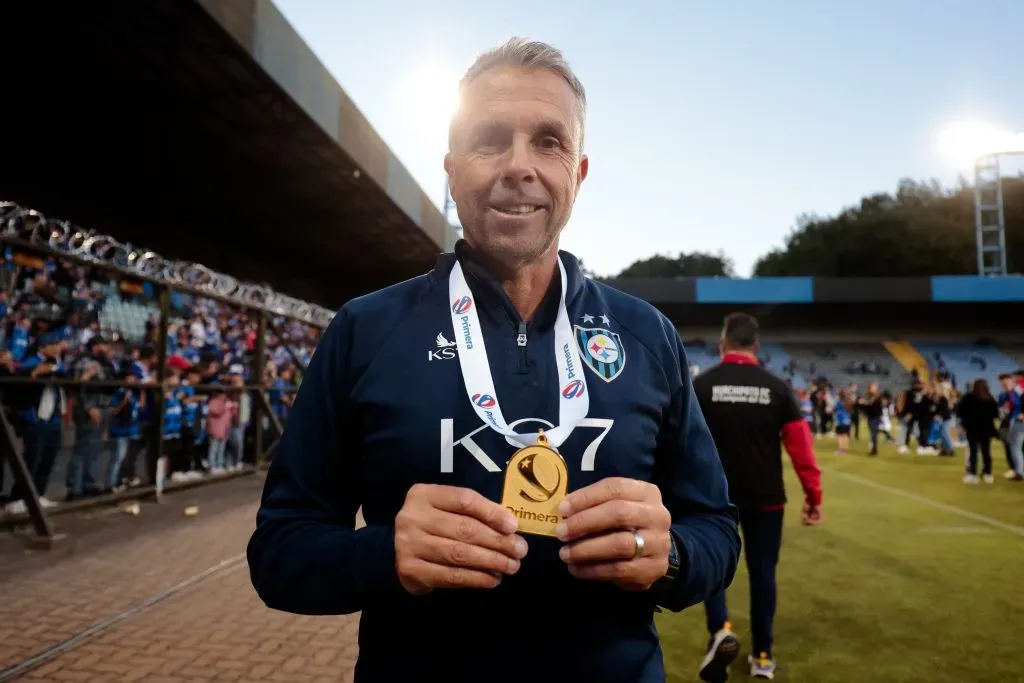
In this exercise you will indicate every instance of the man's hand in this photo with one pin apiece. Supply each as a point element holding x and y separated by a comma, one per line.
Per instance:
<point>449,537</point>
<point>95,415</point>
<point>598,531</point>
<point>810,515</point>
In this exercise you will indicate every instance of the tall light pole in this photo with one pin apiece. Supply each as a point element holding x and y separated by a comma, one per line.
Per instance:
<point>989,218</point>
<point>984,144</point>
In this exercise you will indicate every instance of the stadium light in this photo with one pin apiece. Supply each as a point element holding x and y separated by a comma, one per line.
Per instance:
<point>965,142</point>
<point>980,145</point>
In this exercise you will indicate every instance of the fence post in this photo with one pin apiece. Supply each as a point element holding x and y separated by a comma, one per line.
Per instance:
<point>257,371</point>
<point>12,451</point>
<point>157,440</point>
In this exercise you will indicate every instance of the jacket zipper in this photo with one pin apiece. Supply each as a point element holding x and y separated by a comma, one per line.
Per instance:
<point>521,343</point>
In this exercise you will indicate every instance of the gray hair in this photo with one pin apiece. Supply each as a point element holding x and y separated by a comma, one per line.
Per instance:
<point>531,54</point>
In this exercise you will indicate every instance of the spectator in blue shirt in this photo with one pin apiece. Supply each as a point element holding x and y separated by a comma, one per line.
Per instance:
<point>281,394</point>
<point>46,406</point>
<point>191,403</point>
<point>18,345</point>
<point>125,432</point>
<point>171,435</point>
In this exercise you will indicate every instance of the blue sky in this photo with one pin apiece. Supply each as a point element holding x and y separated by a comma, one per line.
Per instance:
<point>711,124</point>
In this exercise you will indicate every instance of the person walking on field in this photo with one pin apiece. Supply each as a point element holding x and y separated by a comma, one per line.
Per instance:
<point>978,412</point>
<point>751,414</point>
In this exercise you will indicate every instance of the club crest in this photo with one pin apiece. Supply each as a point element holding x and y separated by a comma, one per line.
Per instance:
<point>601,350</point>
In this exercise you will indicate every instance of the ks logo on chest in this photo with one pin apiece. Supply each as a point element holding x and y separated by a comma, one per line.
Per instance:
<point>596,428</point>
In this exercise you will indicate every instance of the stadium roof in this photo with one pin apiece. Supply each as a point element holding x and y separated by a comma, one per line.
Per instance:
<point>207,130</point>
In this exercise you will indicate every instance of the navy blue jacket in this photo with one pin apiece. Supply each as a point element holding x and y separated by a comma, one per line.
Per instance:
<point>383,406</point>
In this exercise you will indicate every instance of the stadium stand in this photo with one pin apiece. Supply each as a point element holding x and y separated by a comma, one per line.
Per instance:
<point>967,362</point>
<point>700,354</point>
<point>777,359</point>
<point>909,357</point>
<point>47,298</point>
<point>845,364</point>
<point>1014,351</point>
<point>126,318</point>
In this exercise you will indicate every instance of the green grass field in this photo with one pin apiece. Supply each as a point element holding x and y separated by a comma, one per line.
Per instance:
<point>891,588</point>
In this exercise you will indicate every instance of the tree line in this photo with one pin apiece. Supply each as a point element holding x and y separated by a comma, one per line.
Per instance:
<point>920,229</point>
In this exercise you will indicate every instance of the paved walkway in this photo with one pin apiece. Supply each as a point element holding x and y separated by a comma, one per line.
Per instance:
<point>212,626</point>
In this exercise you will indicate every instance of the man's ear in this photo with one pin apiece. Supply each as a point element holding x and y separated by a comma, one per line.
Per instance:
<point>449,165</point>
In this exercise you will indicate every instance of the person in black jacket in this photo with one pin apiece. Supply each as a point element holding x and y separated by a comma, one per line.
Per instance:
<point>447,589</point>
<point>978,412</point>
<point>918,409</point>
<point>871,406</point>
<point>943,412</point>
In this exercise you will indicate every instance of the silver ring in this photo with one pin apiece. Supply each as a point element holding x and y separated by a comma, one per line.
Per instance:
<point>640,543</point>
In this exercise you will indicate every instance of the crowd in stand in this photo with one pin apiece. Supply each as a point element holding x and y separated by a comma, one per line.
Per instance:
<point>52,325</point>
<point>935,414</point>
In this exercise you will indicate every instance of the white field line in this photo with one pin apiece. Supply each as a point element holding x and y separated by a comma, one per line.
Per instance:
<point>1004,526</point>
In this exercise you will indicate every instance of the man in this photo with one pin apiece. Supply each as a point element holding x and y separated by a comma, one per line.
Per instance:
<point>918,409</point>
<point>42,420</point>
<point>419,394</point>
<point>1011,401</point>
<point>857,410</point>
<point>237,380</point>
<point>89,409</point>
<point>751,413</point>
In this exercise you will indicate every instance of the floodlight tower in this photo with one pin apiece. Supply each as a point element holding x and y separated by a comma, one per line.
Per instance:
<point>989,219</point>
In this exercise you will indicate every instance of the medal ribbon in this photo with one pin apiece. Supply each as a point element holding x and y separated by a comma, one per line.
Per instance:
<point>573,399</point>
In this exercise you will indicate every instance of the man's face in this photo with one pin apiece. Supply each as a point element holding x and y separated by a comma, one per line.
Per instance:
<point>514,163</point>
<point>1007,383</point>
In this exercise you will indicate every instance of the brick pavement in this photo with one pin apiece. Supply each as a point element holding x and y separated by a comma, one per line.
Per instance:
<point>216,630</point>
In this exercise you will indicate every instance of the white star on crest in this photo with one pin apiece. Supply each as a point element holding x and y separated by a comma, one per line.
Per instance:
<point>587,318</point>
<point>605,320</point>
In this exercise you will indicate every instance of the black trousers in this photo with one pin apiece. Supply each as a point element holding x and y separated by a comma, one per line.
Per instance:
<point>979,444</point>
<point>187,457</point>
<point>923,430</point>
<point>762,540</point>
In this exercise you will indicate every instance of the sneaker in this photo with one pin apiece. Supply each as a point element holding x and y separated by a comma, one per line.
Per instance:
<point>970,479</point>
<point>1009,474</point>
<point>902,450</point>
<point>722,650</point>
<point>762,667</point>
<point>46,503</point>
<point>178,477</point>
<point>988,478</point>
<point>16,507</point>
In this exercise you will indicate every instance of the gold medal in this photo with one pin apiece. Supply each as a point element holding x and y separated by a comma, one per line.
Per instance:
<point>536,481</point>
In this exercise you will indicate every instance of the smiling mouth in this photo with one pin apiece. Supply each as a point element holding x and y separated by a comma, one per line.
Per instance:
<point>518,209</point>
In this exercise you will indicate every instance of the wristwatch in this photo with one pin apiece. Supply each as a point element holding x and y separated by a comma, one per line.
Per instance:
<point>665,583</point>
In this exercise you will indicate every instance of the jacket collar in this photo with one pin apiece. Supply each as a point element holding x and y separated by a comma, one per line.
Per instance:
<point>488,289</point>
<point>739,359</point>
